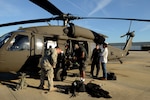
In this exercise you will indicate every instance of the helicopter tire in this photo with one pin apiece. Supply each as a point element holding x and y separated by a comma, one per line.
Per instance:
<point>60,75</point>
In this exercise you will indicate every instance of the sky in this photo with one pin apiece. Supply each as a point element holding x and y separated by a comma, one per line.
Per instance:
<point>18,10</point>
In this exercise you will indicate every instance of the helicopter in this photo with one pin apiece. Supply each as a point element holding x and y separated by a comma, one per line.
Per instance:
<point>21,50</point>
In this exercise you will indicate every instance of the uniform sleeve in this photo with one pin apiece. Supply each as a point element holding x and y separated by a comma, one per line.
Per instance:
<point>54,57</point>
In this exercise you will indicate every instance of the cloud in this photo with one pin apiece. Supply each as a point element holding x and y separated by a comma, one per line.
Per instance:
<point>145,28</point>
<point>100,5</point>
<point>7,8</point>
<point>77,6</point>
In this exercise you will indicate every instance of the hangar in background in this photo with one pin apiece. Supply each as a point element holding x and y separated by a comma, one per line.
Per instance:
<point>144,46</point>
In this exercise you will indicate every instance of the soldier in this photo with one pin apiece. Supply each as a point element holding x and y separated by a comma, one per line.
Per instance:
<point>48,62</point>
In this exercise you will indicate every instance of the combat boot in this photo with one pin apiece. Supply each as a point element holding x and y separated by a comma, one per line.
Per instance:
<point>52,89</point>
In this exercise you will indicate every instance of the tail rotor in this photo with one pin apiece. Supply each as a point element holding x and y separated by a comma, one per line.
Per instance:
<point>128,33</point>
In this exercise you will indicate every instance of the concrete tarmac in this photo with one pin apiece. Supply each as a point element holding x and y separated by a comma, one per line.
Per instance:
<point>133,82</point>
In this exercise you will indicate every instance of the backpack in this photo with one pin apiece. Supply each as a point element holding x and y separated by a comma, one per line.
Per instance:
<point>111,76</point>
<point>77,86</point>
<point>96,91</point>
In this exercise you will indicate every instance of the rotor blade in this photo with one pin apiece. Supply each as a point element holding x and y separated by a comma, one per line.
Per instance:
<point>123,36</point>
<point>45,4</point>
<point>28,21</point>
<point>133,19</point>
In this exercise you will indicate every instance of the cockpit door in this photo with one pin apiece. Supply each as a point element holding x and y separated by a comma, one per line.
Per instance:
<point>15,53</point>
<point>38,44</point>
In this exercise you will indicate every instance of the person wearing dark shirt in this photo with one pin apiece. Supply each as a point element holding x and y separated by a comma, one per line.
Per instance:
<point>80,56</point>
<point>95,60</point>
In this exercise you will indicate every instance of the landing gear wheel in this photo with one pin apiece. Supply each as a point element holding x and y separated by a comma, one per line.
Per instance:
<point>61,75</point>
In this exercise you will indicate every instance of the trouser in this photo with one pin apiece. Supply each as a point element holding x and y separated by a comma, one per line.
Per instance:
<point>104,70</point>
<point>82,68</point>
<point>50,76</point>
<point>93,67</point>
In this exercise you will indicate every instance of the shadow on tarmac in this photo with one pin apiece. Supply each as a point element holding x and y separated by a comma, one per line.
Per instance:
<point>5,79</point>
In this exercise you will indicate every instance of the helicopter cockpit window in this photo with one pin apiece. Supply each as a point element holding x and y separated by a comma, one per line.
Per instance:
<point>4,39</point>
<point>20,42</point>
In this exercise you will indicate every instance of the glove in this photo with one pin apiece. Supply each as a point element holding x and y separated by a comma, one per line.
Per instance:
<point>54,65</point>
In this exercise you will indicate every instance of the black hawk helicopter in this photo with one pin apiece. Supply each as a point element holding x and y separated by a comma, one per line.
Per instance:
<point>21,50</point>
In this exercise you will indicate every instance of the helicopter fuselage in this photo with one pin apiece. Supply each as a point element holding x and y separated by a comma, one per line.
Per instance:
<point>23,49</point>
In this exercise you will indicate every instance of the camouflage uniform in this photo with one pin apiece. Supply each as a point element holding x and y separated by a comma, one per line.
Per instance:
<point>48,62</point>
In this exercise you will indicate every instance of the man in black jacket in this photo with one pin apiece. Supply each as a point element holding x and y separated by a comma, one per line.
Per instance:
<point>95,60</point>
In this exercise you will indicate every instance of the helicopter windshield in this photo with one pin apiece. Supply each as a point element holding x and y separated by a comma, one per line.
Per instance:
<point>19,42</point>
<point>4,38</point>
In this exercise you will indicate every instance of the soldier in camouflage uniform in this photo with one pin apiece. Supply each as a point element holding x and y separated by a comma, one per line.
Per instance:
<point>48,62</point>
